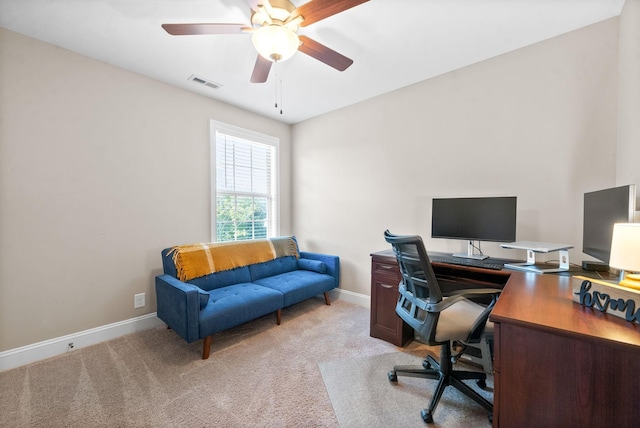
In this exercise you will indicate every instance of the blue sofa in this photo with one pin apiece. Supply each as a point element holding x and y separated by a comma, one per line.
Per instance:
<point>200,307</point>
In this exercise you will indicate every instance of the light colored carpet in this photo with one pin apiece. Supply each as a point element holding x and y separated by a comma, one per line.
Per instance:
<point>259,375</point>
<point>377,402</point>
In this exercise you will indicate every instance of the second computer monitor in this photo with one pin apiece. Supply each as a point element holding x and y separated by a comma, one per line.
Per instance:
<point>474,219</point>
<point>603,208</point>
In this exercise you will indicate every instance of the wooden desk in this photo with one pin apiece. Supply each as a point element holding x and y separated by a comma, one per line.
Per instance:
<point>385,324</point>
<point>559,364</point>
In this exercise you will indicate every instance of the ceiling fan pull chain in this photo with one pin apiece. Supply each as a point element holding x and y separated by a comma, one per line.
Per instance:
<point>275,84</point>
<point>281,97</point>
<point>277,80</point>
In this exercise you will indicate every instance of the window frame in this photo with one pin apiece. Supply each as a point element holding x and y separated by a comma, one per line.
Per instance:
<point>217,127</point>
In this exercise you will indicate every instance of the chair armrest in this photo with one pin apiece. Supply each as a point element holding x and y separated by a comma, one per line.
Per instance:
<point>179,306</point>
<point>452,298</point>
<point>332,262</point>
<point>474,292</point>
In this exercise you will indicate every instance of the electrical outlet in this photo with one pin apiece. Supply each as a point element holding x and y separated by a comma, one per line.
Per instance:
<point>138,301</point>
<point>70,346</point>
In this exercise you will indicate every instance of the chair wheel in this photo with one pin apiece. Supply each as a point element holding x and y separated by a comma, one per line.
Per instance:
<point>481,383</point>
<point>426,365</point>
<point>393,377</point>
<point>426,416</point>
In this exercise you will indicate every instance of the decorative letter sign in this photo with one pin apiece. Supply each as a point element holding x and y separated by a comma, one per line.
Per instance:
<point>607,297</point>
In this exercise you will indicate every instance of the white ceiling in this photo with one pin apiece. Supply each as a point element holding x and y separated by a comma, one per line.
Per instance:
<point>394,43</point>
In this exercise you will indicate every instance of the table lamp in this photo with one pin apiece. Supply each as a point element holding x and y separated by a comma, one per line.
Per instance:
<point>625,253</point>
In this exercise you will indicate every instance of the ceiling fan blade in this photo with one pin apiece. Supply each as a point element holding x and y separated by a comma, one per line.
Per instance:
<point>196,29</point>
<point>324,54</point>
<point>316,10</point>
<point>261,70</point>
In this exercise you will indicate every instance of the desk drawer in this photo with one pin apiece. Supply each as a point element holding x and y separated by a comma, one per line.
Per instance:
<point>386,269</point>
<point>385,323</point>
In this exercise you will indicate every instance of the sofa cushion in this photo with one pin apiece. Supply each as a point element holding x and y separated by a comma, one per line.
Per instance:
<point>204,297</point>
<point>236,304</point>
<point>298,285</point>
<point>167,263</point>
<point>222,279</point>
<point>312,265</point>
<point>273,267</point>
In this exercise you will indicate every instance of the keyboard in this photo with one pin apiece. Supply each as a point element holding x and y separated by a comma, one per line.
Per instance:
<point>461,261</point>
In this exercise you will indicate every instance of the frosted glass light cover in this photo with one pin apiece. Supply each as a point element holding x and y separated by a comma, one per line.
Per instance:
<point>275,42</point>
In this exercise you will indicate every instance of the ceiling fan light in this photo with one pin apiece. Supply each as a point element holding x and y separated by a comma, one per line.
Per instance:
<point>275,42</point>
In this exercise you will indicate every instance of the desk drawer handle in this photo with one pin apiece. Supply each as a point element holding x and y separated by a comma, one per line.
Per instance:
<point>386,267</point>
<point>386,285</point>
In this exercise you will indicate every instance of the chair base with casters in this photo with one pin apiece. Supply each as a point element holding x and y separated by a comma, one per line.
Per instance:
<point>443,372</point>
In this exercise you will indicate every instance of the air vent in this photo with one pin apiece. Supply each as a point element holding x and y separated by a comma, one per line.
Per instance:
<point>205,82</point>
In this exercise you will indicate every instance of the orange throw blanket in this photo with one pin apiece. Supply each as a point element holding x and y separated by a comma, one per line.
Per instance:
<point>196,260</point>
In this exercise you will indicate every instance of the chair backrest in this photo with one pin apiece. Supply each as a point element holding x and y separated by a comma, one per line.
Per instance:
<point>419,285</point>
<point>421,299</point>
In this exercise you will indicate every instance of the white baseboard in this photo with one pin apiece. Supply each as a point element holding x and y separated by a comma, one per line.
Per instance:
<point>50,348</point>
<point>351,297</point>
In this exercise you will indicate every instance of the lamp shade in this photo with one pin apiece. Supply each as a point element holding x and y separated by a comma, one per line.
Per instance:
<point>275,42</point>
<point>625,247</point>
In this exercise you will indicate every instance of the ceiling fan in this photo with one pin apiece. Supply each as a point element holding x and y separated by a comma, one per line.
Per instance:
<point>274,29</point>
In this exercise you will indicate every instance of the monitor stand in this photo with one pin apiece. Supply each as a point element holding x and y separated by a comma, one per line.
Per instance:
<point>595,266</point>
<point>471,254</point>
<point>539,247</point>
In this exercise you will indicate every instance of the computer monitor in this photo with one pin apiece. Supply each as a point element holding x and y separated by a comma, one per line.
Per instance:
<point>603,208</point>
<point>474,219</point>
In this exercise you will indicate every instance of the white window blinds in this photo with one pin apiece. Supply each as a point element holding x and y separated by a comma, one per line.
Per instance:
<point>244,187</point>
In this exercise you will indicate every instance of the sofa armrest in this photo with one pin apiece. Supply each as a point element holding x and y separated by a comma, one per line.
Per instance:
<point>179,306</point>
<point>332,262</point>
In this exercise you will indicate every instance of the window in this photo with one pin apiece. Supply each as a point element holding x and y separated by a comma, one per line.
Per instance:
<point>244,183</point>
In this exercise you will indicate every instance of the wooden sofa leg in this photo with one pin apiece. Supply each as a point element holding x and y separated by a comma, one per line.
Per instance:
<point>206,348</point>
<point>278,316</point>
<point>327,300</point>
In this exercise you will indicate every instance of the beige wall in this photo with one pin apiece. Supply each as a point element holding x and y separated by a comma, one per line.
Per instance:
<point>628,170</point>
<point>538,123</point>
<point>100,169</point>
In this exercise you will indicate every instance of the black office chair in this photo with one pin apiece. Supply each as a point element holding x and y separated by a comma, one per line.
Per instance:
<point>438,319</point>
